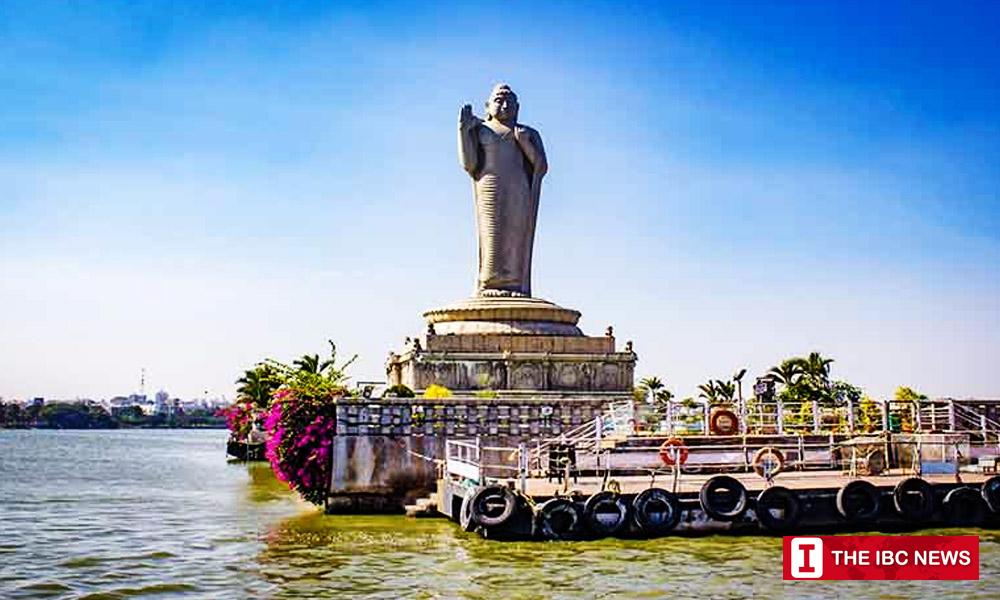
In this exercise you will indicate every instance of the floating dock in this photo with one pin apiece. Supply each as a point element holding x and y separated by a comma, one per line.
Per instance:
<point>703,504</point>
<point>745,485</point>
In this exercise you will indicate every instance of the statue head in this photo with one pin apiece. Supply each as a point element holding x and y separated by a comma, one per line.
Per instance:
<point>502,104</point>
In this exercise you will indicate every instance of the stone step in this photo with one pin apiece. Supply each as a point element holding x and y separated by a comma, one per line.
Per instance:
<point>422,507</point>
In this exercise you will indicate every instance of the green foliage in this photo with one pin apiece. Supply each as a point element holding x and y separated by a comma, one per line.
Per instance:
<point>725,390</point>
<point>708,391</point>
<point>62,415</point>
<point>488,394</point>
<point>258,384</point>
<point>639,395</point>
<point>906,394</point>
<point>869,415</point>
<point>788,372</point>
<point>399,391</point>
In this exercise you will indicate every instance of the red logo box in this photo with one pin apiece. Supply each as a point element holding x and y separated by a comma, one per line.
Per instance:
<point>951,557</point>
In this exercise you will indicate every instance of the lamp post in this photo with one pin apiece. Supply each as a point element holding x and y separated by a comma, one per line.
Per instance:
<point>738,378</point>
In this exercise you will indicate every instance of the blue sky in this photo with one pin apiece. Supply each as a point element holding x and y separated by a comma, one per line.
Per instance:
<point>189,188</point>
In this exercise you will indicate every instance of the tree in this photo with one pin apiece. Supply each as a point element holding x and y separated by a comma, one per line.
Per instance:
<point>907,394</point>
<point>816,367</point>
<point>788,372</point>
<point>708,391</point>
<point>649,387</point>
<point>725,390</point>
<point>311,363</point>
<point>257,384</point>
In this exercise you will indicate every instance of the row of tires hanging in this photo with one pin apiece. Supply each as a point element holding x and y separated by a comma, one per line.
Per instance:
<point>498,511</point>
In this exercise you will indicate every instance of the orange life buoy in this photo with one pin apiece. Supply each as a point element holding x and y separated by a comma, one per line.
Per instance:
<point>673,447</point>
<point>768,460</point>
<point>723,422</point>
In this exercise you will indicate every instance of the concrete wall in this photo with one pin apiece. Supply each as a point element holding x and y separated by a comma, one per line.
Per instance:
<point>385,450</point>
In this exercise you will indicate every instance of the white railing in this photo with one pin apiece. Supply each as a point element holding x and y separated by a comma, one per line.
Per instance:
<point>463,459</point>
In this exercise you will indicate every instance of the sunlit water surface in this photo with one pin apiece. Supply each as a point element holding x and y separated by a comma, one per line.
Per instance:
<point>161,514</point>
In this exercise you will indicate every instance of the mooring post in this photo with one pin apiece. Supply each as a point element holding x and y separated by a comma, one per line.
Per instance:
<point>802,453</point>
<point>779,421</point>
<point>951,415</point>
<point>982,426</point>
<point>816,416</point>
<point>670,417</point>
<point>850,416</point>
<point>522,465</point>
<point>479,462</point>
<point>884,406</point>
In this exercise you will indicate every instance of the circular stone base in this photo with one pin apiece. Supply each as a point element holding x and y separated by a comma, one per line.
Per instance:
<point>505,315</point>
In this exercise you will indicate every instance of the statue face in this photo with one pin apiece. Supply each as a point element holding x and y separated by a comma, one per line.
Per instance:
<point>502,106</point>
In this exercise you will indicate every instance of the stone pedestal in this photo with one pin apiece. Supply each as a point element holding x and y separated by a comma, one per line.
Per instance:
<point>505,343</point>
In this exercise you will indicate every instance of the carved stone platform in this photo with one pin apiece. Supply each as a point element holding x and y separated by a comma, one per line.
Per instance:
<point>504,315</point>
<point>511,343</point>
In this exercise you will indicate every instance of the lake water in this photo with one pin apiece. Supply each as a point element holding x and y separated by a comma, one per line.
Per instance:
<point>161,514</point>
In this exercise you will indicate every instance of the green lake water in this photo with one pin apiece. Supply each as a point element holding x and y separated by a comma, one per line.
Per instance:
<point>161,514</point>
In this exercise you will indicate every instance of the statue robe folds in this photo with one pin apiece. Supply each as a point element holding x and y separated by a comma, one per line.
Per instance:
<point>506,187</point>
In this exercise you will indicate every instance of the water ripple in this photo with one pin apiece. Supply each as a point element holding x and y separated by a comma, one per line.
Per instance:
<point>161,514</point>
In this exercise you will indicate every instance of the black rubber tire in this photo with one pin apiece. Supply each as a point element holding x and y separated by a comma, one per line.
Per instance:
<point>964,507</point>
<point>991,493</point>
<point>493,505</point>
<point>852,510</point>
<point>653,498</point>
<point>465,517</point>
<point>598,504</point>
<point>914,499</point>
<point>559,519</point>
<point>779,497</point>
<point>728,508</point>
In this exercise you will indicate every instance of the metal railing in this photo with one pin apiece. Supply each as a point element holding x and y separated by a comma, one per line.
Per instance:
<point>467,459</point>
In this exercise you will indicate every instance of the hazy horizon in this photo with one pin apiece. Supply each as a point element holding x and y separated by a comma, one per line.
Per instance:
<point>189,189</point>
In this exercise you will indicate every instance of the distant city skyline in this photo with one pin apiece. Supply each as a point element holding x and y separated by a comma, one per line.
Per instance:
<point>191,189</point>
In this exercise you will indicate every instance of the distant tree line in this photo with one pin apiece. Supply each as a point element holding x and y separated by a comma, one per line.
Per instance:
<point>86,415</point>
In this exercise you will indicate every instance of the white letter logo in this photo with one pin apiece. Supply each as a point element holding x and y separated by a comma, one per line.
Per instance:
<point>807,558</point>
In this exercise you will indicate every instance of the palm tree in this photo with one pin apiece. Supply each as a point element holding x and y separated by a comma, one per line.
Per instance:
<point>664,396</point>
<point>257,385</point>
<point>725,390</point>
<point>310,363</point>
<point>816,367</point>
<point>709,391</point>
<point>650,386</point>
<point>788,372</point>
